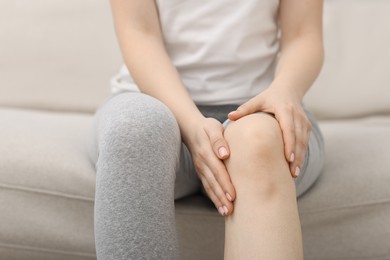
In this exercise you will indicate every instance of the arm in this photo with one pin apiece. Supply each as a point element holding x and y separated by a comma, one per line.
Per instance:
<point>141,42</point>
<point>139,35</point>
<point>299,64</point>
<point>302,52</point>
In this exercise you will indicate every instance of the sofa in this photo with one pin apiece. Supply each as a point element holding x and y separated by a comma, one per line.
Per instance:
<point>56,61</point>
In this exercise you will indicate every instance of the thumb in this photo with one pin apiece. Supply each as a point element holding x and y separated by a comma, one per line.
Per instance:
<point>249,107</point>
<point>218,143</point>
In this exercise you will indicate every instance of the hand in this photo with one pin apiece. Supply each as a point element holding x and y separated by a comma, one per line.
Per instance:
<point>288,111</point>
<point>208,148</point>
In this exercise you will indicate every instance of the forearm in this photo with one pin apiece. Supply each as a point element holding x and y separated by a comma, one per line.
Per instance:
<point>299,64</point>
<point>154,73</point>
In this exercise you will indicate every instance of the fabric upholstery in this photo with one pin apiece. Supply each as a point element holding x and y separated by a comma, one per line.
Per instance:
<point>55,54</point>
<point>347,214</point>
<point>355,78</point>
<point>46,186</point>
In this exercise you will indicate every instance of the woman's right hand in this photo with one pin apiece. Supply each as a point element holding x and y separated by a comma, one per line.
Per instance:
<point>208,150</point>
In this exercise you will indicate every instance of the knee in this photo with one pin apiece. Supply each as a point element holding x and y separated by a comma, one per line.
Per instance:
<point>138,144</point>
<point>257,158</point>
<point>258,136</point>
<point>137,122</point>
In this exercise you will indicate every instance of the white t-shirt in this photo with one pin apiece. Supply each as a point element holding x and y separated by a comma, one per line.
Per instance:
<point>224,50</point>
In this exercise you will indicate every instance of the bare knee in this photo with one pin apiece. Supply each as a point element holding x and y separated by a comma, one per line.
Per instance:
<point>257,158</point>
<point>257,135</point>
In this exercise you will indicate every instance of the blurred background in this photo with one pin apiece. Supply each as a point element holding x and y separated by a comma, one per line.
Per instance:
<point>60,55</point>
<point>55,54</point>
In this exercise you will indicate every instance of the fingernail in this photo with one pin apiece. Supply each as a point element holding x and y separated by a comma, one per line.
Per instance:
<point>292,157</point>
<point>229,197</point>
<point>231,113</point>
<point>222,152</point>
<point>221,211</point>
<point>297,171</point>
<point>225,209</point>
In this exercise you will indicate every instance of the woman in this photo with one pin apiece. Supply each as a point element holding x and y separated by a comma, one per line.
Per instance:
<point>213,100</point>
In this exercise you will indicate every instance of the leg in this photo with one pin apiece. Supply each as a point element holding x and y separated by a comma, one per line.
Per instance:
<point>265,222</point>
<point>138,151</point>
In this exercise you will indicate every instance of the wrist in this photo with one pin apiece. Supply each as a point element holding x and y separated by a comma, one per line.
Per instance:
<point>293,92</point>
<point>188,124</point>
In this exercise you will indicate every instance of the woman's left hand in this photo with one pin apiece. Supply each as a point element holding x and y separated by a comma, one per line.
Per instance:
<point>288,111</point>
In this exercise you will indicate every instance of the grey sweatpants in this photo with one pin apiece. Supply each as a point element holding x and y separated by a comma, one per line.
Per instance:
<point>142,166</point>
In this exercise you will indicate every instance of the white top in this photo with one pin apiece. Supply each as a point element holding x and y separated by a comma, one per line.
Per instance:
<point>224,50</point>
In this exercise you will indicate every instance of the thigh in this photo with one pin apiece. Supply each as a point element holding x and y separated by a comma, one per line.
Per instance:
<point>92,146</point>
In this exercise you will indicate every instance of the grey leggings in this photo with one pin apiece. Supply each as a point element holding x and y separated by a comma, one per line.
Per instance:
<point>142,167</point>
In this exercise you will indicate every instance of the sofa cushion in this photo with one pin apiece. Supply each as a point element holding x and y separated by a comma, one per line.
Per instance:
<point>46,151</point>
<point>346,215</point>
<point>46,186</point>
<point>355,78</point>
<point>56,54</point>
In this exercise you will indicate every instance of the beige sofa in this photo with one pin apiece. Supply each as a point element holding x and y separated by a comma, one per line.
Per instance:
<point>56,59</point>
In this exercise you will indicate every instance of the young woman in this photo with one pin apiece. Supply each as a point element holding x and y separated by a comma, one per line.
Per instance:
<point>210,98</point>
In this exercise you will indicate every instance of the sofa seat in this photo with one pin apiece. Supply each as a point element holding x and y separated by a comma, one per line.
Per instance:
<point>50,191</point>
<point>46,186</point>
<point>343,215</point>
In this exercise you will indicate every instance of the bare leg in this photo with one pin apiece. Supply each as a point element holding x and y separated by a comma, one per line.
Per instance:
<point>265,222</point>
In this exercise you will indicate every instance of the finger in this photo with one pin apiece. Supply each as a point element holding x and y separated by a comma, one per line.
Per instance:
<point>218,170</point>
<point>286,122</point>
<point>295,167</point>
<point>214,198</point>
<point>218,191</point>
<point>303,130</point>
<point>218,142</point>
<point>249,107</point>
